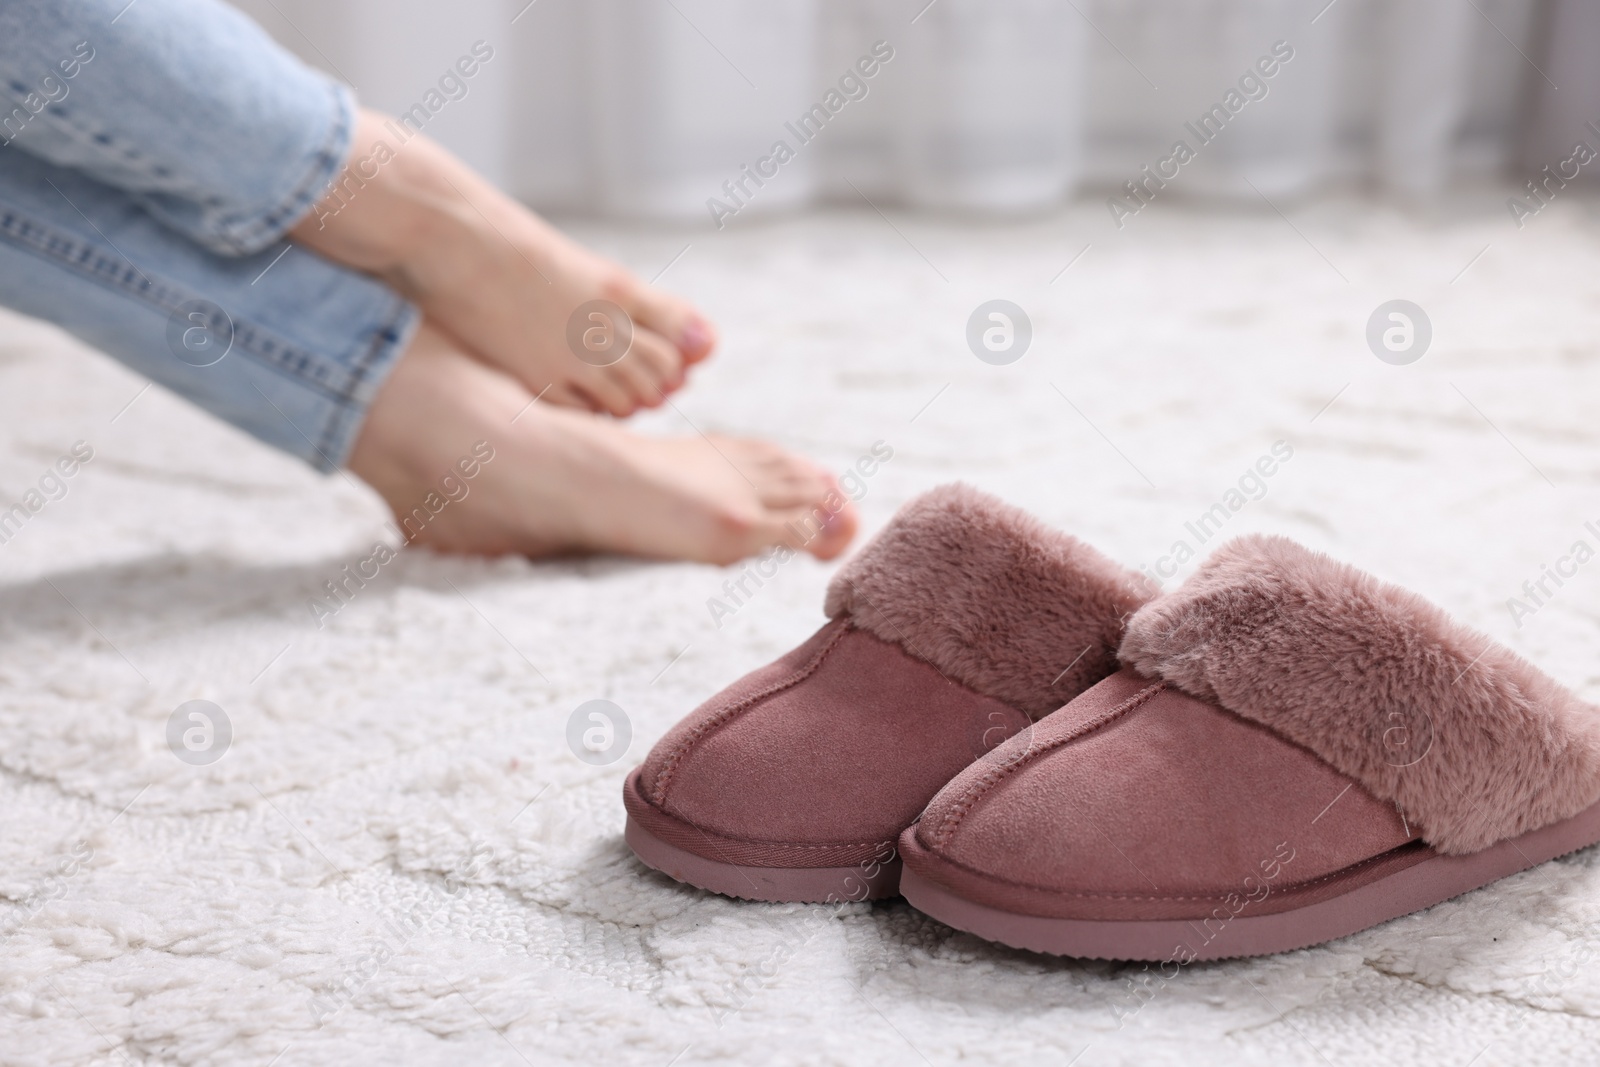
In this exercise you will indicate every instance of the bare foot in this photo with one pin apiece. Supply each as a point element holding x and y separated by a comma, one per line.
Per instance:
<point>494,275</point>
<point>563,481</point>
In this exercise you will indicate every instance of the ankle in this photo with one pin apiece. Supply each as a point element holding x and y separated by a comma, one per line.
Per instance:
<point>389,210</point>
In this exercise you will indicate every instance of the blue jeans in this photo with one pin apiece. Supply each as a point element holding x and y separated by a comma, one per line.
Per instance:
<point>152,158</point>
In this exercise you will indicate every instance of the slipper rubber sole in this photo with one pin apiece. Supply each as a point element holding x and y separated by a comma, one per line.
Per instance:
<point>779,885</point>
<point>1432,881</point>
<point>872,880</point>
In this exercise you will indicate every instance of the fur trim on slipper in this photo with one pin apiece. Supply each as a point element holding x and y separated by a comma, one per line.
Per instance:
<point>1472,742</point>
<point>991,597</point>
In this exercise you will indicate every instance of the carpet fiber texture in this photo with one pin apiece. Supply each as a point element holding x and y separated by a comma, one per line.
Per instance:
<point>400,859</point>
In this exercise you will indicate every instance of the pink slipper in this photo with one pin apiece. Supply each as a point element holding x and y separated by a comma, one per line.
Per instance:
<point>961,623</point>
<point>1295,751</point>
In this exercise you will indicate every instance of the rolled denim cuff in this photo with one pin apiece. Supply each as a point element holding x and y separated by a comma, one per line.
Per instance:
<point>185,105</point>
<point>282,344</point>
<point>244,228</point>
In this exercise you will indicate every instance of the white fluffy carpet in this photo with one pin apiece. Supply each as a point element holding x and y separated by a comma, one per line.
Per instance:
<point>158,912</point>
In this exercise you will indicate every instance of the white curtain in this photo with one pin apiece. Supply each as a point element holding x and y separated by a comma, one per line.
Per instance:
<point>673,109</point>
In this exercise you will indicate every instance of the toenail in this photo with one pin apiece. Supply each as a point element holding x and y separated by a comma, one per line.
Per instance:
<point>696,335</point>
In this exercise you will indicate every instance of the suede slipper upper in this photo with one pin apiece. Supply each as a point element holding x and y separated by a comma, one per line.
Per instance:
<point>961,623</point>
<point>1293,751</point>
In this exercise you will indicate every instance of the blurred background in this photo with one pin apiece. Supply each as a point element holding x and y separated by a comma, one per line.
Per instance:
<point>644,108</point>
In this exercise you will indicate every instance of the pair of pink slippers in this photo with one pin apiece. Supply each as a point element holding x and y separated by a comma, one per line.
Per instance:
<point>1002,725</point>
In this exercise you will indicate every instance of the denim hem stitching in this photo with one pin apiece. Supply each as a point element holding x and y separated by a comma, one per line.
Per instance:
<point>298,364</point>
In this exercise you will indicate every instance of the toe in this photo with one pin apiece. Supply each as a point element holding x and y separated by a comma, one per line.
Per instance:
<point>807,509</point>
<point>787,486</point>
<point>607,394</point>
<point>676,320</point>
<point>797,505</point>
<point>783,480</point>
<point>563,395</point>
<point>824,529</point>
<point>651,369</point>
<point>837,533</point>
